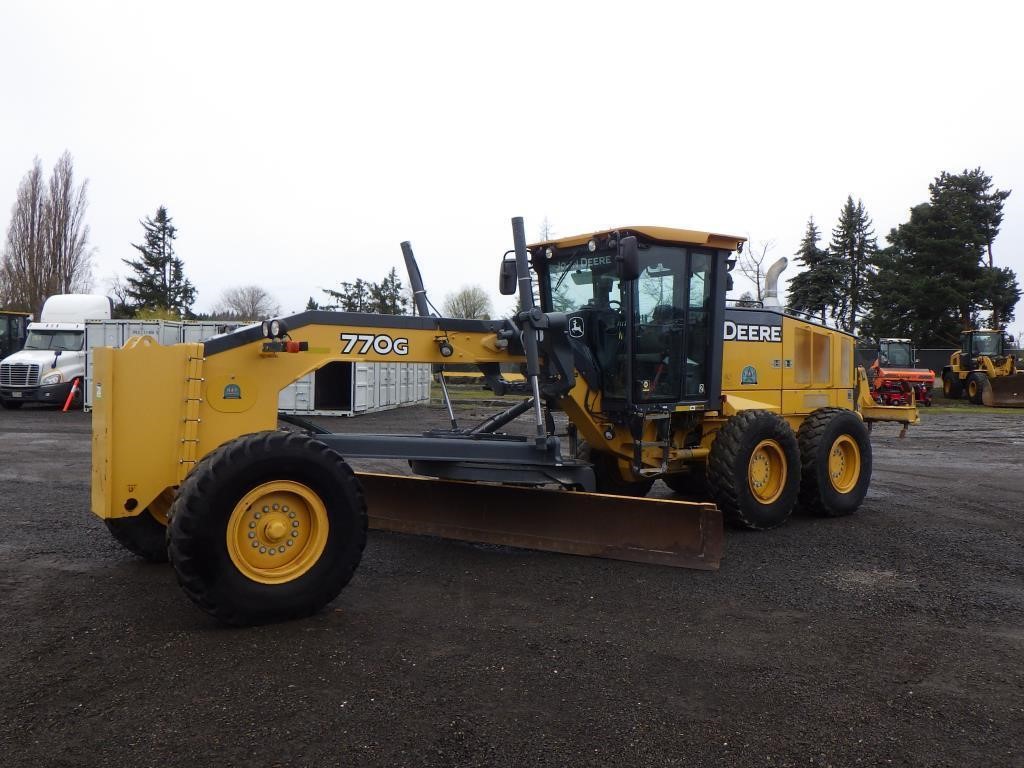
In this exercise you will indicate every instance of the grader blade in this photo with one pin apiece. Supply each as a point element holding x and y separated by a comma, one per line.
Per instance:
<point>663,532</point>
<point>1004,391</point>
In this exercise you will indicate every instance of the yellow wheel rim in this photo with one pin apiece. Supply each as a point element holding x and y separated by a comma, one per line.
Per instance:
<point>277,532</point>
<point>160,506</point>
<point>766,472</point>
<point>844,464</point>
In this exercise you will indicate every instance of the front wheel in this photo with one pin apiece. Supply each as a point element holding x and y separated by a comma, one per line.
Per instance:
<point>754,470</point>
<point>835,455</point>
<point>268,527</point>
<point>607,475</point>
<point>975,386</point>
<point>144,535</point>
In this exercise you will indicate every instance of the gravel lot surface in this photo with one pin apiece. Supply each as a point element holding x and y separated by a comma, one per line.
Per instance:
<point>894,637</point>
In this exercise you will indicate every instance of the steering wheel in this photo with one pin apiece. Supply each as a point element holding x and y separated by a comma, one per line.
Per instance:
<point>615,304</point>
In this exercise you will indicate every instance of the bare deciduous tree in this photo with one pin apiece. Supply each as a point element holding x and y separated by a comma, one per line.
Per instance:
<point>752,266</point>
<point>67,234</point>
<point>470,301</point>
<point>24,259</point>
<point>248,302</point>
<point>46,251</point>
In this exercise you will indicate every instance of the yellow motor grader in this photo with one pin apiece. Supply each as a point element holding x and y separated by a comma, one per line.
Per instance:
<point>984,371</point>
<point>753,412</point>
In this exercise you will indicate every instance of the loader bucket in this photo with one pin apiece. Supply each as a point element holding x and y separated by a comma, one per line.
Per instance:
<point>1004,391</point>
<point>660,531</point>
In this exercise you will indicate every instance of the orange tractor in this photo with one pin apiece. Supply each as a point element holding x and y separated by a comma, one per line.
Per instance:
<point>894,377</point>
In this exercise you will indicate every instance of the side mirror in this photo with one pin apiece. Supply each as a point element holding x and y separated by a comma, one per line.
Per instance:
<point>629,258</point>
<point>56,354</point>
<point>508,278</point>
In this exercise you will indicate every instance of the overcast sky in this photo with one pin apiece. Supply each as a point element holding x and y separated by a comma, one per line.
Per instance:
<point>296,144</point>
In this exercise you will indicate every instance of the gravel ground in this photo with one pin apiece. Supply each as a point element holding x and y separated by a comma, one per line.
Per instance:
<point>894,637</point>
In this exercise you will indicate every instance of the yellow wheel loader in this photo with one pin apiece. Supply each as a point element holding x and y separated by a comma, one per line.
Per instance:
<point>751,411</point>
<point>984,371</point>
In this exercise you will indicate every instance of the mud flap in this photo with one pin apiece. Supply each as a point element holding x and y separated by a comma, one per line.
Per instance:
<point>1003,391</point>
<point>660,531</point>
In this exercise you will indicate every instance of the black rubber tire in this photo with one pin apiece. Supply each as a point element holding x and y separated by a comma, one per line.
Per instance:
<point>728,470</point>
<point>976,378</point>
<point>606,473</point>
<point>11,405</point>
<point>199,519</point>
<point>816,437</point>
<point>142,535</point>
<point>952,387</point>
<point>692,484</point>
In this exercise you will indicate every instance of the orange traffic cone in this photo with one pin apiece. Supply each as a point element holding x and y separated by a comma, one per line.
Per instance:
<point>71,395</point>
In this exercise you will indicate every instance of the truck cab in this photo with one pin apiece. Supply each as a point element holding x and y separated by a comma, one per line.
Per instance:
<point>53,357</point>
<point>13,328</point>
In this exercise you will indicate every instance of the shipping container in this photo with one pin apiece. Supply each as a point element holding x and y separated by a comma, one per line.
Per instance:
<point>337,389</point>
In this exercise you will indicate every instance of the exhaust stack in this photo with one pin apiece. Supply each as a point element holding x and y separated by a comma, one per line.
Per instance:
<point>771,283</point>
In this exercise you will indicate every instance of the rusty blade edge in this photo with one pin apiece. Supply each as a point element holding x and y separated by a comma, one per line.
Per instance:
<point>662,532</point>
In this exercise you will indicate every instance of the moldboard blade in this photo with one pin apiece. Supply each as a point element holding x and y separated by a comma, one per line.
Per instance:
<point>660,531</point>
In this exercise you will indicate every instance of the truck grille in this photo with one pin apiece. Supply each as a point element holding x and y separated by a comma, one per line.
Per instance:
<point>19,375</point>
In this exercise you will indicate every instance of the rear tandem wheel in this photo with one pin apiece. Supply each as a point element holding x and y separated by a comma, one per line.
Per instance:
<point>754,470</point>
<point>268,527</point>
<point>835,453</point>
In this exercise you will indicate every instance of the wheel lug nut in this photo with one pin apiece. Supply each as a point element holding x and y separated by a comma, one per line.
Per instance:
<point>281,550</point>
<point>266,508</point>
<point>294,533</point>
<point>277,506</point>
<point>252,525</point>
<point>263,550</point>
<point>284,507</point>
<point>252,535</point>
<point>257,515</point>
<point>255,544</point>
<point>290,542</point>
<point>291,515</point>
<point>295,524</point>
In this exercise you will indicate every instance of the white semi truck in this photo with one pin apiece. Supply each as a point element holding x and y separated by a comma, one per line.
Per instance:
<point>53,358</point>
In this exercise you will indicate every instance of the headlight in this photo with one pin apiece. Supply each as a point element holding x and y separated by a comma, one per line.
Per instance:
<point>53,378</point>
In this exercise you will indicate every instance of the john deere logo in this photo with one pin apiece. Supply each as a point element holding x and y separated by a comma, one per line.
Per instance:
<point>576,327</point>
<point>749,375</point>
<point>232,392</point>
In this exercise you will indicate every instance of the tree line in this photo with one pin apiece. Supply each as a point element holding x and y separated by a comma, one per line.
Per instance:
<point>936,277</point>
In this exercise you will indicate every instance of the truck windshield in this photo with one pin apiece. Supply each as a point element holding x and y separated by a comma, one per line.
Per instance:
<point>67,341</point>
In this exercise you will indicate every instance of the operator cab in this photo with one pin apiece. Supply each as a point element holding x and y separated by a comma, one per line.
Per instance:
<point>982,343</point>
<point>896,353</point>
<point>650,340</point>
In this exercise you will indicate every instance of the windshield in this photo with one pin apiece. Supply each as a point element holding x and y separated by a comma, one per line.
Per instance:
<point>583,281</point>
<point>987,343</point>
<point>895,353</point>
<point>67,341</point>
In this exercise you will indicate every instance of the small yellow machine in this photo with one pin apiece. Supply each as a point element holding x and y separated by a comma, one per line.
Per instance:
<point>984,371</point>
<point>751,412</point>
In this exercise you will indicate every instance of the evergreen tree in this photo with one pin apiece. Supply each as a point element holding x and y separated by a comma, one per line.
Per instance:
<point>814,289</point>
<point>159,284</point>
<point>387,296</point>
<point>852,252</point>
<point>353,297</point>
<point>975,211</point>
<point>311,305</point>
<point>934,279</point>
